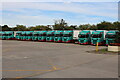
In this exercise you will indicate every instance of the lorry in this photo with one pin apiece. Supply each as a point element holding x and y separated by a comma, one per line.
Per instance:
<point>58,35</point>
<point>29,35</point>
<point>23,35</point>
<point>98,37</point>
<point>3,35</point>
<point>18,35</point>
<point>110,37</point>
<point>35,36</point>
<point>42,36</point>
<point>70,36</point>
<point>50,36</point>
<point>84,37</point>
<point>0,35</point>
<point>9,35</point>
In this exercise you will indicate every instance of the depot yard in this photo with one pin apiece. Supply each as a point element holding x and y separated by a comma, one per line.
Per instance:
<point>27,59</point>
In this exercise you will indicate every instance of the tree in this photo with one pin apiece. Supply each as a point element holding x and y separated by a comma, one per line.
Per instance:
<point>6,28</point>
<point>71,27</point>
<point>31,28</point>
<point>116,25</point>
<point>60,25</point>
<point>93,27</point>
<point>84,27</point>
<point>42,27</point>
<point>20,28</point>
<point>105,26</point>
<point>0,28</point>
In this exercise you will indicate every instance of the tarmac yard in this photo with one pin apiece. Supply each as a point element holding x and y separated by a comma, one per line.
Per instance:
<point>27,59</point>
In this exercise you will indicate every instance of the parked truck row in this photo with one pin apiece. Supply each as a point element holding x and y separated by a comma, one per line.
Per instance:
<point>83,37</point>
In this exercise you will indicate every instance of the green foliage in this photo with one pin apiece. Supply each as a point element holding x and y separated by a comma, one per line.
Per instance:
<point>84,27</point>
<point>93,27</point>
<point>116,25</point>
<point>59,25</point>
<point>20,28</point>
<point>42,27</point>
<point>62,25</point>
<point>105,26</point>
<point>72,27</point>
<point>6,28</point>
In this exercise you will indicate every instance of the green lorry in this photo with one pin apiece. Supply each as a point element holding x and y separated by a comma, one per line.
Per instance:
<point>58,35</point>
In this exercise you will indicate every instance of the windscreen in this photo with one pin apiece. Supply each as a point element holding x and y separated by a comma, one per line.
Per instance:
<point>17,34</point>
<point>42,34</point>
<point>83,36</point>
<point>58,35</point>
<point>3,34</point>
<point>36,34</point>
<point>50,35</point>
<point>67,35</point>
<point>96,36</point>
<point>23,34</point>
<point>8,34</point>
<point>28,34</point>
<point>110,36</point>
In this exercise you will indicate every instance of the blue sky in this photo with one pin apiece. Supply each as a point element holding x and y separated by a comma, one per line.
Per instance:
<point>44,13</point>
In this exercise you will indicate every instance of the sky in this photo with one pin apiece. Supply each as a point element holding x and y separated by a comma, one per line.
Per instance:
<point>45,13</point>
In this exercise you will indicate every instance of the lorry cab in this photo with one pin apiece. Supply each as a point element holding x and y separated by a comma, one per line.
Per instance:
<point>67,36</point>
<point>3,35</point>
<point>98,37</point>
<point>23,35</point>
<point>29,35</point>
<point>84,37</point>
<point>58,36</point>
<point>42,36</point>
<point>110,37</point>
<point>50,36</point>
<point>9,35</point>
<point>18,35</point>
<point>35,36</point>
<point>0,35</point>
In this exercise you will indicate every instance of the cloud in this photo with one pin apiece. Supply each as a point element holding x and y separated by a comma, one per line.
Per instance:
<point>66,1</point>
<point>32,13</point>
<point>99,9</point>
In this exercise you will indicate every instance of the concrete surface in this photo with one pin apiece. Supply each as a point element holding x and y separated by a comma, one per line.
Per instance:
<point>113,48</point>
<point>26,59</point>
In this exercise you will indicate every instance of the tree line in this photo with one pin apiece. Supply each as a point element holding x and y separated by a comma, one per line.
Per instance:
<point>62,25</point>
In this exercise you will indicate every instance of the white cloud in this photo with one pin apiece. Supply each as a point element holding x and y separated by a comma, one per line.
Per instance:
<point>98,10</point>
<point>59,1</point>
<point>94,9</point>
